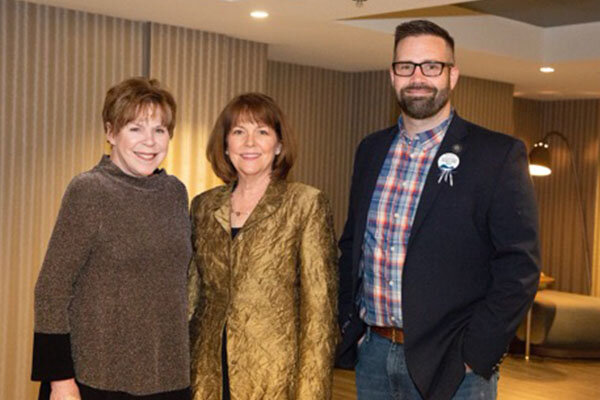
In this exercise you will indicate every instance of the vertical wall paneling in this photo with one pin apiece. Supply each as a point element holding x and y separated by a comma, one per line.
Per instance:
<point>578,121</point>
<point>374,104</point>
<point>560,223</point>
<point>146,48</point>
<point>318,103</point>
<point>55,67</point>
<point>528,117</point>
<point>204,71</point>
<point>486,103</point>
<point>596,225</point>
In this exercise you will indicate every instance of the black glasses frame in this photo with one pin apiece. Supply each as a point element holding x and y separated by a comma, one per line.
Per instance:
<point>420,65</point>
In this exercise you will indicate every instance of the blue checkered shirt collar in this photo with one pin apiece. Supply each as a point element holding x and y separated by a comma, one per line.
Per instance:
<point>427,138</point>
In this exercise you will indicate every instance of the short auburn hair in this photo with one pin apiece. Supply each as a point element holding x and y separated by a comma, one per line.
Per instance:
<point>421,27</point>
<point>126,100</point>
<point>254,107</point>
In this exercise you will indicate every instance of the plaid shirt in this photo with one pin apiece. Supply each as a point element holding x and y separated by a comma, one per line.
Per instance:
<point>391,214</point>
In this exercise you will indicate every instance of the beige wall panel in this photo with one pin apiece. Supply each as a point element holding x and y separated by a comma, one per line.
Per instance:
<point>55,67</point>
<point>563,254</point>
<point>374,105</point>
<point>204,71</point>
<point>486,103</point>
<point>561,224</point>
<point>318,103</point>
<point>596,222</point>
<point>528,117</point>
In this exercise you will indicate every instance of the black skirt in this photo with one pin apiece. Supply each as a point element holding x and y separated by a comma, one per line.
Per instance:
<point>88,393</point>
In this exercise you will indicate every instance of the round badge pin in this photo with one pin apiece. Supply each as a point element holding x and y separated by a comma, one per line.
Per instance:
<point>448,161</point>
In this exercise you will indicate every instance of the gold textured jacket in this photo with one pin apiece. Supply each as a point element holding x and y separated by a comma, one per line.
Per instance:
<point>273,288</point>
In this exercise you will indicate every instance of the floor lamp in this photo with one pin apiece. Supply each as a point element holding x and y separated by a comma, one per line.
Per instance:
<point>540,164</point>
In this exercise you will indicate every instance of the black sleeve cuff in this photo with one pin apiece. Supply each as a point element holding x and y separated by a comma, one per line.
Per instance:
<point>52,359</point>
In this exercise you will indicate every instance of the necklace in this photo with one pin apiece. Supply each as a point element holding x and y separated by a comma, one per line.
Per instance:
<point>248,202</point>
<point>239,213</point>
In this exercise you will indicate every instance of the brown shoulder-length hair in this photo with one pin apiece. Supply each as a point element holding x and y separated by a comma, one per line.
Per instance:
<point>126,100</point>
<point>256,107</point>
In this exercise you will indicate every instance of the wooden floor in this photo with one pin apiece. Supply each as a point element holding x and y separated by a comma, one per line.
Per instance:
<point>538,379</point>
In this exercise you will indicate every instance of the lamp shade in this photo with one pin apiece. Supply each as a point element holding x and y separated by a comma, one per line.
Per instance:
<point>539,160</point>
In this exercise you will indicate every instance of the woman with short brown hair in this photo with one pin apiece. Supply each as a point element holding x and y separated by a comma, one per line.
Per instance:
<point>110,300</point>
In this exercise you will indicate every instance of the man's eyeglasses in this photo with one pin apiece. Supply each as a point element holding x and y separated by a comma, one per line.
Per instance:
<point>428,68</point>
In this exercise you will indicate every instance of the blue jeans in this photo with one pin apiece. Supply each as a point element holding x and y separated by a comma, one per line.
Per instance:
<point>381,374</point>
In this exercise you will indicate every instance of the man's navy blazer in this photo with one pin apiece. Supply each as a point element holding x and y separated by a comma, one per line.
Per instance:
<point>472,261</point>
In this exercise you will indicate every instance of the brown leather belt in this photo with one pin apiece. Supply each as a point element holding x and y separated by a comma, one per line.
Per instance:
<point>396,335</point>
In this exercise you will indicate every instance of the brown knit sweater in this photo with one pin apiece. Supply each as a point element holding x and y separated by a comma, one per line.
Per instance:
<point>114,282</point>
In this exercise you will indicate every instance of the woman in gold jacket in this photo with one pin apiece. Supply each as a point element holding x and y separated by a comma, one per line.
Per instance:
<point>263,279</point>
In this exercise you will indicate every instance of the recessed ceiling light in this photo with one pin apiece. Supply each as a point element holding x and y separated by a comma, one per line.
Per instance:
<point>259,14</point>
<point>546,70</point>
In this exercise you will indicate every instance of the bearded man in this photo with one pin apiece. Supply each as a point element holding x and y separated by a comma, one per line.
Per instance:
<point>440,252</point>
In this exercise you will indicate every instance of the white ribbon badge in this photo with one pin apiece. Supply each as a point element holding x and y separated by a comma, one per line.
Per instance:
<point>447,163</point>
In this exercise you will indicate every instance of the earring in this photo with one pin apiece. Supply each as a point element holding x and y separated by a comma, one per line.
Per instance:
<point>278,151</point>
<point>226,152</point>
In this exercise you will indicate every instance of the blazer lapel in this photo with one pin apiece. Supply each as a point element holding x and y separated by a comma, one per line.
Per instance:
<point>222,208</point>
<point>455,133</point>
<point>267,205</point>
<point>379,151</point>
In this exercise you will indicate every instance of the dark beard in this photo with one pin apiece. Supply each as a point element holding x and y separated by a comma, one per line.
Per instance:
<point>426,106</point>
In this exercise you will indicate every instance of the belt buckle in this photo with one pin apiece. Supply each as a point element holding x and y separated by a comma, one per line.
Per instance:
<point>393,334</point>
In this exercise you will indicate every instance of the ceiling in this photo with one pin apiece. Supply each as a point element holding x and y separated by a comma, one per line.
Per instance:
<point>542,13</point>
<point>503,40</point>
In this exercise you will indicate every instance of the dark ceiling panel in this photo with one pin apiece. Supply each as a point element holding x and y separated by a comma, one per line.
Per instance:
<point>544,13</point>
<point>429,12</point>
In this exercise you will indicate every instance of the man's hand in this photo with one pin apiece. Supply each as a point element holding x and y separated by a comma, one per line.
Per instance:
<point>64,390</point>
